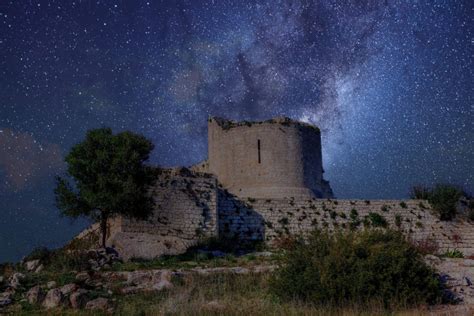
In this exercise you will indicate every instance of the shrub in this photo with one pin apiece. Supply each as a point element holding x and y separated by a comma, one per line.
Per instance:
<point>426,246</point>
<point>398,220</point>
<point>283,221</point>
<point>286,242</point>
<point>470,215</point>
<point>453,254</point>
<point>443,199</point>
<point>403,205</point>
<point>40,253</point>
<point>61,260</point>
<point>420,192</point>
<point>356,267</point>
<point>354,224</point>
<point>377,220</point>
<point>354,214</point>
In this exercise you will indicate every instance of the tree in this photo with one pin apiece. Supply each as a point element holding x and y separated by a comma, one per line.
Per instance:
<point>108,176</point>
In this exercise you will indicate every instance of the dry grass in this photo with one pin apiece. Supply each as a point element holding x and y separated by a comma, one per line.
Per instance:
<point>235,295</point>
<point>227,294</point>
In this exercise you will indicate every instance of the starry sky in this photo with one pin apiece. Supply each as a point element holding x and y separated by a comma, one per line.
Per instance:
<point>390,84</point>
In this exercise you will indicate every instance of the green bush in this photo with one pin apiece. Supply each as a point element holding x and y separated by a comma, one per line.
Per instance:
<point>470,215</point>
<point>40,253</point>
<point>420,192</point>
<point>443,199</point>
<point>61,260</point>
<point>356,268</point>
<point>377,220</point>
<point>453,254</point>
<point>398,220</point>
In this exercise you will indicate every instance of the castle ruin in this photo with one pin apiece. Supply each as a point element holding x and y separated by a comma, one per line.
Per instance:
<point>270,159</point>
<point>262,181</point>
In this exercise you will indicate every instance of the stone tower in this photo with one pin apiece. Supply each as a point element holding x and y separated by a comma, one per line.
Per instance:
<point>270,159</point>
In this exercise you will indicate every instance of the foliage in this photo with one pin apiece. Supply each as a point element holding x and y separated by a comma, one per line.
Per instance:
<point>286,242</point>
<point>61,260</point>
<point>109,177</point>
<point>426,246</point>
<point>377,220</point>
<point>420,192</point>
<point>356,267</point>
<point>470,215</point>
<point>455,253</point>
<point>354,214</point>
<point>40,253</point>
<point>398,220</point>
<point>6,269</point>
<point>443,199</point>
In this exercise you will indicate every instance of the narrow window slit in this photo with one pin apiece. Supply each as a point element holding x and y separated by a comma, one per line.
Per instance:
<point>258,146</point>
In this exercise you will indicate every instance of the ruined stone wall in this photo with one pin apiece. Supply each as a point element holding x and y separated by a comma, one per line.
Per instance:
<point>269,219</point>
<point>267,159</point>
<point>185,207</point>
<point>185,211</point>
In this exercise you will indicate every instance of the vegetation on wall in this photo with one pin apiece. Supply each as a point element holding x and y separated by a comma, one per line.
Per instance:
<point>377,220</point>
<point>442,197</point>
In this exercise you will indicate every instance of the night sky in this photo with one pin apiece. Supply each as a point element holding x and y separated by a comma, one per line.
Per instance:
<point>389,83</point>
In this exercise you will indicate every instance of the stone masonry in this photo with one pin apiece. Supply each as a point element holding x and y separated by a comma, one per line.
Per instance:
<point>264,181</point>
<point>185,212</point>
<point>270,219</point>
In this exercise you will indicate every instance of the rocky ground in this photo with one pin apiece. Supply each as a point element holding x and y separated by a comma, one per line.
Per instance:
<point>98,288</point>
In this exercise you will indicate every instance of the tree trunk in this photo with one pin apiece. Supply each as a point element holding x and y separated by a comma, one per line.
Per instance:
<point>103,228</point>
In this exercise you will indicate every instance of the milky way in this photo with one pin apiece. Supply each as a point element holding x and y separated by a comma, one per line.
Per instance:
<point>389,83</point>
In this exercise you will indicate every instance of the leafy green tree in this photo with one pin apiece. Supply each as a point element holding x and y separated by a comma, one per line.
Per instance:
<point>106,176</point>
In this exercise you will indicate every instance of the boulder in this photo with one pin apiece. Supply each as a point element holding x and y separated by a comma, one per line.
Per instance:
<point>98,304</point>
<point>39,268</point>
<point>78,299</point>
<point>53,299</point>
<point>35,295</point>
<point>32,265</point>
<point>139,277</point>
<point>164,282</point>
<point>15,280</point>
<point>6,298</point>
<point>68,289</point>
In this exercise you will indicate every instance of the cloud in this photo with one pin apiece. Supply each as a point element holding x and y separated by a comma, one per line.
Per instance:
<point>24,160</point>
